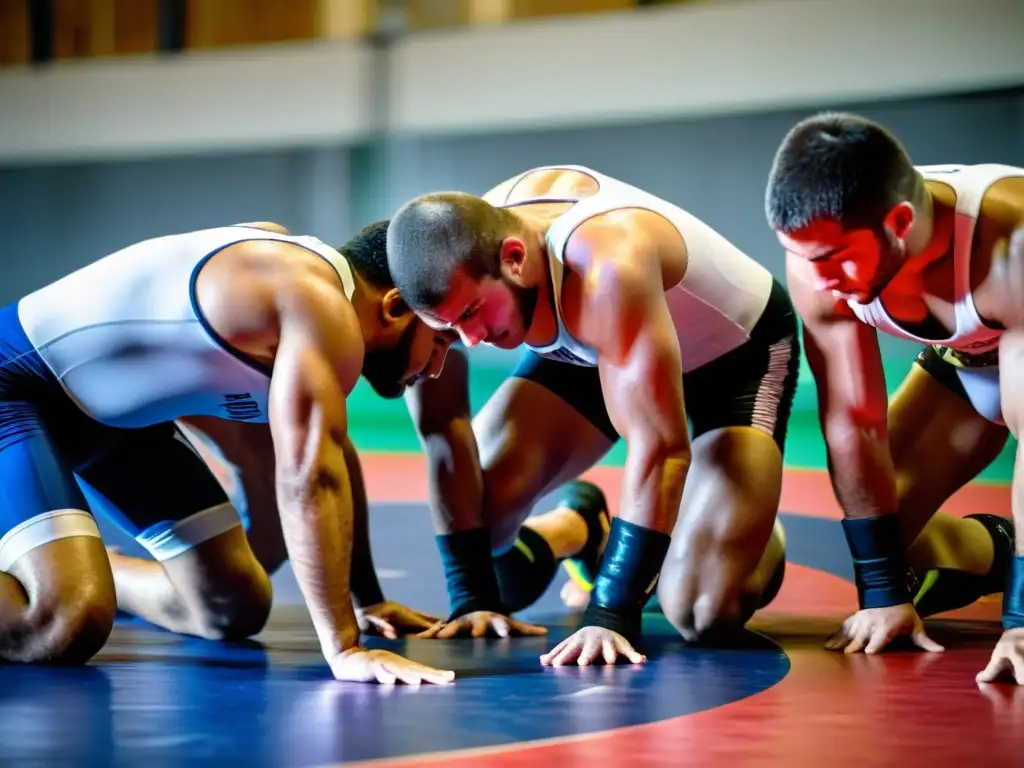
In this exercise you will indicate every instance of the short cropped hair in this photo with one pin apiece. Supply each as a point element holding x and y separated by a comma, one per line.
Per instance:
<point>435,236</point>
<point>838,166</point>
<point>366,253</point>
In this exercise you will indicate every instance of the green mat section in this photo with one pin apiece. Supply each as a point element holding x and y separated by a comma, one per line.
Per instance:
<point>383,425</point>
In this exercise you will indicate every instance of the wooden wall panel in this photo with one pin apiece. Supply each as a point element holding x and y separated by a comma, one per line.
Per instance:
<point>339,19</point>
<point>100,28</point>
<point>15,45</point>
<point>228,23</point>
<point>426,14</point>
<point>137,28</point>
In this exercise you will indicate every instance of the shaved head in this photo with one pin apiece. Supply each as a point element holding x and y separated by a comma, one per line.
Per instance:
<point>435,237</point>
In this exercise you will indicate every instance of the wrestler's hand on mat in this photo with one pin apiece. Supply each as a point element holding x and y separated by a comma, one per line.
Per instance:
<point>1007,659</point>
<point>871,629</point>
<point>588,644</point>
<point>481,624</point>
<point>390,620</point>
<point>361,665</point>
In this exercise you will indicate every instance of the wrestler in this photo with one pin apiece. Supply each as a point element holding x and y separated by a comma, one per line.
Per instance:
<point>243,323</point>
<point>876,244</point>
<point>640,323</point>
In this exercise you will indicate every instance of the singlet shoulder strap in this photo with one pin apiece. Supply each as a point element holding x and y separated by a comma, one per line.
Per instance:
<point>333,257</point>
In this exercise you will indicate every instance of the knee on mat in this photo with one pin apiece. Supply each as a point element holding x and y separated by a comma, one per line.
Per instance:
<point>701,620</point>
<point>712,616</point>
<point>69,628</point>
<point>238,610</point>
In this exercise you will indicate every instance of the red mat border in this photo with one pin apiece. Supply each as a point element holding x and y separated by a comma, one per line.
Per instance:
<point>402,477</point>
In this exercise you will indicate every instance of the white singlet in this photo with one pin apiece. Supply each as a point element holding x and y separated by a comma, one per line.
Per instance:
<point>971,335</point>
<point>714,307</point>
<point>127,342</point>
<point>973,348</point>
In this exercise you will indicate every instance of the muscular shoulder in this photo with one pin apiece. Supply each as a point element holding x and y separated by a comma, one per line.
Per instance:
<point>546,182</point>
<point>1008,270</point>
<point>314,305</point>
<point>996,267</point>
<point>261,286</point>
<point>1003,204</point>
<point>619,266</point>
<point>626,245</point>
<point>269,264</point>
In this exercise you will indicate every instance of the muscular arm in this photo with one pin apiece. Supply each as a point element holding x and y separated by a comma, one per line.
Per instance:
<point>318,361</point>
<point>625,316</point>
<point>440,410</point>
<point>846,363</point>
<point>853,406</point>
<point>1008,656</point>
<point>622,264</point>
<point>641,376</point>
<point>1008,268</point>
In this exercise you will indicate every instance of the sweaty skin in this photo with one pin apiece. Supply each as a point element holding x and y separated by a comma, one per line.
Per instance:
<point>618,266</point>
<point>284,307</point>
<point>1008,268</point>
<point>824,264</point>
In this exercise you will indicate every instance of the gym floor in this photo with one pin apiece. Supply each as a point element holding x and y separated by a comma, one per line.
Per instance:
<point>778,699</point>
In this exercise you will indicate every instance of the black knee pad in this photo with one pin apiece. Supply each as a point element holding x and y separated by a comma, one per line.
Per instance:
<point>525,571</point>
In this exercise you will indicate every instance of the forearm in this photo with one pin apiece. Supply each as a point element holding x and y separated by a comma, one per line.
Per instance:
<point>652,487</point>
<point>460,522</point>
<point>318,524</point>
<point>1011,385</point>
<point>441,412</point>
<point>1013,596</point>
<point>861,470</point>
<point>639,540</point>
<point>440,409</point>
<point>864,482</point>
<point>364,583</point>
<point>852,410</point>
<point>454,479</point>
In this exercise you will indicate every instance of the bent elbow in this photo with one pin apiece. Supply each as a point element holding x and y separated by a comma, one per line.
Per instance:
<point>847,431</point>
<point>667,451</point>
<point>676,450</point>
